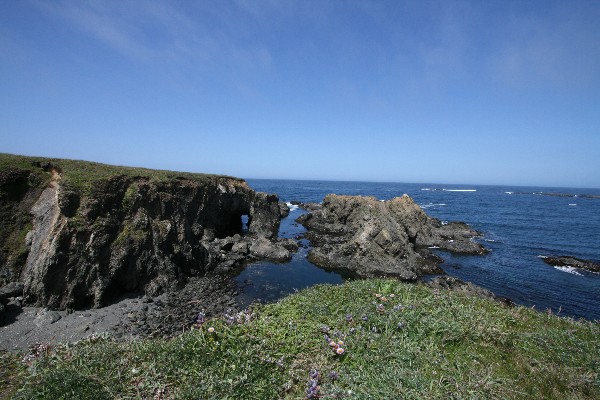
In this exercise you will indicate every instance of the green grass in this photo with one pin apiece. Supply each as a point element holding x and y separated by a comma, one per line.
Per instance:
<point>83,175</point>
<point>425,345</point>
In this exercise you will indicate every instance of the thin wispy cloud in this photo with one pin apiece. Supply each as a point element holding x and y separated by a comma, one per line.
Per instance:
<point>159,32</point>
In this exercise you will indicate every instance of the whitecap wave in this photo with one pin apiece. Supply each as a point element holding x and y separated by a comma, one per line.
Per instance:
<point>509,192</point>
<point>434,247</point>
<point>569,269</point>
<point>459,190</point>
<point>425,189</point>
<point>572,204</point>
<point>291,206</point>
<point>540,256</point>
<point>432,205</point>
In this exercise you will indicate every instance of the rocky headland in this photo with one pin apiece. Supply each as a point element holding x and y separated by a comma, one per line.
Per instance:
<point>366,237</point>
<point>78,235</point>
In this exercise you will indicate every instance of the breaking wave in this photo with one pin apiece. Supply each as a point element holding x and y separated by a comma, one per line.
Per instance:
<point>569,269</point>
<point>291,206</point>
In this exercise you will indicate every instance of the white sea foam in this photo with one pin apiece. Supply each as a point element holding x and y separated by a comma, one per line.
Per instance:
<point>434,247</point>
<point>508,192</point>
<point>432,205</point>
<point>572,204</point>
<point>291,206</point>
<point>425,189</point>
<point>459,190</point>
<point>569,269</point>
<point>540,256</point>
<point>444,222</point>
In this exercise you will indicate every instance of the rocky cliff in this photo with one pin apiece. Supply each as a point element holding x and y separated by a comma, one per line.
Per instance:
<point>367,237</point>
<point>82,234</point>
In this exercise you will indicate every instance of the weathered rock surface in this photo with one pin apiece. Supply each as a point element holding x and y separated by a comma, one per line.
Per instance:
<point>367,237</point>
<point>568,261</point>
<point>262,211</point>
<point>128,234</point>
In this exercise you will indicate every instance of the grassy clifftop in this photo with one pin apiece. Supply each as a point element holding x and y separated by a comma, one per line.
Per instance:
<point>399,341</point>
<point>82,175</point>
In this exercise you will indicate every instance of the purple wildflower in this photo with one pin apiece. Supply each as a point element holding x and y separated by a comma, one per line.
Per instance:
<point>334,375</point>
<point>200,317</point>
<point>312,390</point>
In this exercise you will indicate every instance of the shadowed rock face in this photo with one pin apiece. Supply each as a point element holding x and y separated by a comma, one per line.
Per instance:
<point>367,237</point>
<point>137,235</point>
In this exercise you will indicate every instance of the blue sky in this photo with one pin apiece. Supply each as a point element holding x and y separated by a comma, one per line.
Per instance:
<point>479,92</point>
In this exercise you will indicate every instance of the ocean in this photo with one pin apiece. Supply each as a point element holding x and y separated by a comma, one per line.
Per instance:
<point>520,226</point>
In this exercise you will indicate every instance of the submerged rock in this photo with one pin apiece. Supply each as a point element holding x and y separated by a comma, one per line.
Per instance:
<point>367,237</point>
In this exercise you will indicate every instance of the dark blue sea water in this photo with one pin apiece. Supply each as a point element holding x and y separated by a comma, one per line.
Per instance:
<point>518,229</point>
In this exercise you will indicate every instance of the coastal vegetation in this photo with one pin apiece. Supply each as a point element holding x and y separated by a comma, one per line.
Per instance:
<point>398,340</point>
<point>83,175</point>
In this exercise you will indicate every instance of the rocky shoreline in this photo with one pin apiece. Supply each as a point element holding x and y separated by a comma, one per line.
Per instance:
<point>136,256</point>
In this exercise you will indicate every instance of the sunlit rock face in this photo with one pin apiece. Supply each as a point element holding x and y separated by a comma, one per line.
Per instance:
<point>367,237</point>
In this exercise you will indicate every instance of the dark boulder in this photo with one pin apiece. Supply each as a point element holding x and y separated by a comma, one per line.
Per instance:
<point>13,289</point>
<point>284,210</point>
<point>265,215</point>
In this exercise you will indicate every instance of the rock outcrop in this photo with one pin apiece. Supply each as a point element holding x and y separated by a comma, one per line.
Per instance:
<point>129,233</point>
<point>568,261</point>
<point>367,237</point>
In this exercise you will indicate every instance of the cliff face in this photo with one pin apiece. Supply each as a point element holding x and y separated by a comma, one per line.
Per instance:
<point>127,233</point>
<point>367,237</point>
